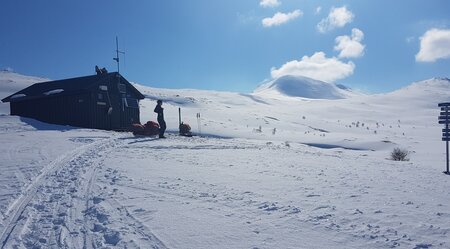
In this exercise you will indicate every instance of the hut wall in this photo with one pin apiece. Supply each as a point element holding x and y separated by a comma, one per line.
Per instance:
<point>63,110</point>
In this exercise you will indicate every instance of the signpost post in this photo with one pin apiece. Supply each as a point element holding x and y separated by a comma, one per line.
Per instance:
<point>444,118</point>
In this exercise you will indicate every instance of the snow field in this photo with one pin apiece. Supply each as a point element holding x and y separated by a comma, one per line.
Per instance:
<point>269,171</point>
<point>211,194</point>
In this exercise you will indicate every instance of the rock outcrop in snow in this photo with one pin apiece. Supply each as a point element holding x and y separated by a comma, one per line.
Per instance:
<point>299,86</point>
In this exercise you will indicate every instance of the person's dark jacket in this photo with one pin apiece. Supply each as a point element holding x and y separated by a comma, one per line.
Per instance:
<point>160,111</point>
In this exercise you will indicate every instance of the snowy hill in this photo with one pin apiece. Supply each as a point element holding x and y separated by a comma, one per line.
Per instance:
<point>422,93</point>
<point>299,86</point>
<point>359,122</point>
<point>272,169</point>
<point>11,82</point>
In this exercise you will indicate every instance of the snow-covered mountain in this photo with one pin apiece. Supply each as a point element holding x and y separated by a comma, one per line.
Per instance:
<point>271,169</point>
<point>422,94</point>
<point>11,82</point>
<point>300,86</point>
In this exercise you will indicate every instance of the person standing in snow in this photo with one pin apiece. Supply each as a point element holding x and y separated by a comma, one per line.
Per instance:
<point>161,122</point>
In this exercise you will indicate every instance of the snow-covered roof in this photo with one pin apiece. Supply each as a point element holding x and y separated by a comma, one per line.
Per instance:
<point>73,86</point>
<point>20,95</point>
<point>56,91</point>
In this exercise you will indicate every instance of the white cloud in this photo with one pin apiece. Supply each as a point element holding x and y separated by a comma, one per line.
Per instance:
<point>318,10</point>
<point>318,67</point>
<point>269,3</point>
<point>434,45</point>
<point>280,18</point>
<point>338,17</point>
<point>350,47</point>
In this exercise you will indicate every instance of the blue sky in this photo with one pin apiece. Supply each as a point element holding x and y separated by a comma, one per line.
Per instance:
<point>375,46</point>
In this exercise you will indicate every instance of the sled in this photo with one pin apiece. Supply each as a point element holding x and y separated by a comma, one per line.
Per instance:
<point>150,128</point>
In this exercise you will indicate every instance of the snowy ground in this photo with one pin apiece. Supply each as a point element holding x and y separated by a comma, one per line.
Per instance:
<point>315,175</point>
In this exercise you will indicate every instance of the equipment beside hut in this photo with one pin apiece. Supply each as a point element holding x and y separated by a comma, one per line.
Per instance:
<point>150,128</point>
<point>185,130</point>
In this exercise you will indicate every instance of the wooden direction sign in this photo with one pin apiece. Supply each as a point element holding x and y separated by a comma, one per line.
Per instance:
<point>444,118</point>
<point>444,104</point>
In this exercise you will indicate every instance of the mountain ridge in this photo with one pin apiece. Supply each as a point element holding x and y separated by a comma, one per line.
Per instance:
<point>11,82</point>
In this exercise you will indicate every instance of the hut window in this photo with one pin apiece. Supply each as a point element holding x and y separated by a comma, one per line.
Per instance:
<point>130,102</point>
<point>122,88</point>
<point>103,87</point>
<point>100,96</point>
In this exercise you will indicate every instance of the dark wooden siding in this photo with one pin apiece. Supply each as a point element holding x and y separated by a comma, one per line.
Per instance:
<point>63,110</point>
<point>131,116</point>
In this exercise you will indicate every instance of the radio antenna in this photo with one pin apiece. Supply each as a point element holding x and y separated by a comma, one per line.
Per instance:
<point>117,54</point>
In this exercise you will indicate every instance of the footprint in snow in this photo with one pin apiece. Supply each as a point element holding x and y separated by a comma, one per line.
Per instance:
<point>97,200</point>
<point>139,210</point>
<point>112,237</point>
<point>269,207</point>
<point>423,245</point>
<point>322,217</point>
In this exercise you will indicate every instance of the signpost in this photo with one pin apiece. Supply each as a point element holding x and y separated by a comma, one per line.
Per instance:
<point>444,118</point>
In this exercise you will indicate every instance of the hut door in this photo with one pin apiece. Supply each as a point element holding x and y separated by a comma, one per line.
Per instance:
<point>103,109</point>
<point>131,113</point>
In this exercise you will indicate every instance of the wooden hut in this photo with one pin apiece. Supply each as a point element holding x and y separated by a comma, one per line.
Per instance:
<point>104,101</point>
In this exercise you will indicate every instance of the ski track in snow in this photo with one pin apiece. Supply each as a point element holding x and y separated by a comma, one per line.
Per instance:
<point>59,209</point>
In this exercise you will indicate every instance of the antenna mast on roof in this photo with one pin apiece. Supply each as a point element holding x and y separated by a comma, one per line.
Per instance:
<point>117,54</point>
